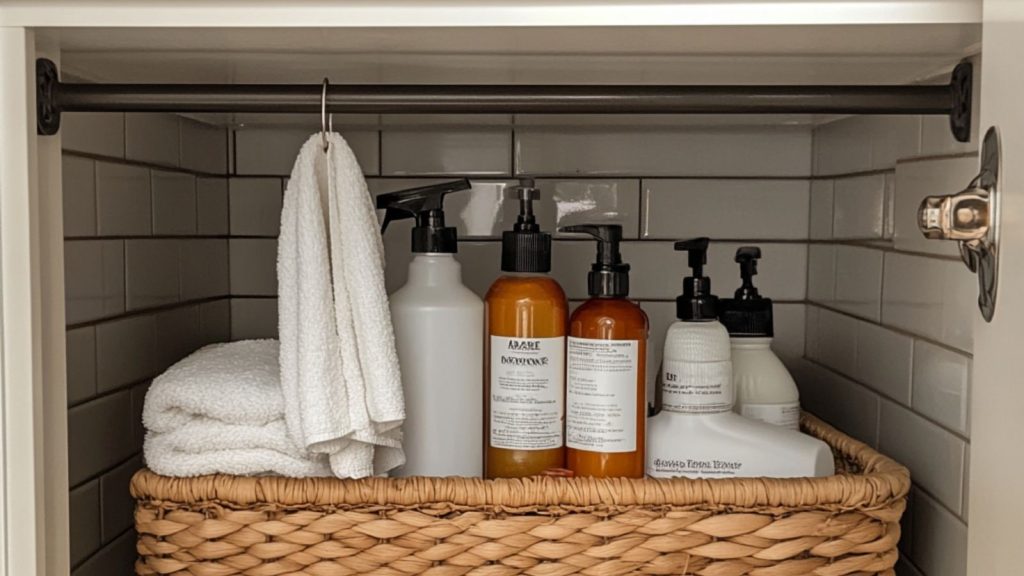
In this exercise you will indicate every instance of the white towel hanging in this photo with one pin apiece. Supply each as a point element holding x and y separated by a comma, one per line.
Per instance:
<point>339,369</point>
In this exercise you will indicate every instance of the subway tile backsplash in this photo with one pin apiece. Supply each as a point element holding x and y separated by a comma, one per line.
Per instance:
<point>178,250</point>
<point>146,283</point>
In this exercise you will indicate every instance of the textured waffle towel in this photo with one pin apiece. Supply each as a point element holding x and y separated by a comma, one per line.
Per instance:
<point>220,410</point>
<point>339,369</point>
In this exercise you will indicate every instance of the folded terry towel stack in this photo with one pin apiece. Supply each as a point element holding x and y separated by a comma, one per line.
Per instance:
<point>339,369</point>
<point>221,410</point>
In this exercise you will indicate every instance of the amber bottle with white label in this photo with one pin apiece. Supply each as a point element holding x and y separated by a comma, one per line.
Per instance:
<point>524,376</point>
<point>606,405</point>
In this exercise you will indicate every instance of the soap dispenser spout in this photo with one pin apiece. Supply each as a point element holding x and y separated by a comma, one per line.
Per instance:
<point>747,257</point>
<point>697,303</point>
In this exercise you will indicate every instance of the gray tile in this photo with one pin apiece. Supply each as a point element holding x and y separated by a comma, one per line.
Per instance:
<point>125,351</point>
<point>903,566</point>
<point>942,385</point>
<point>686,151</point>
<point>934,456</point>
<point>736,209</point>
<point>255,206</point>
<point>174,203</point>
<point>859,281</point>
<point>204,147</point>
<point>117,557</point>
<point>122,200</point>
<point>272,151</point>
<point>118,504</point>
<point>204,268</point>
<point>138,393</point>
<point>152,137</point>
<point>859,207</point>
<point>84,520</point>
<point>93,279</point>
<point>212,200</point>
<point>839,401</point>
<point>566,202</point>
<point>253,267</point>
<point>837,341</point>
<point>81,364</point>
<point>821,209</point>
<point>428,152</point>
<point>99,435</point>
<point>253,318</point>
<point>177,335</point>
<point>930,297</point>
<point>940,539</point>
<point>100,133</point>
<point>884,361</point>
<point>152,270</point>
<point>78,180</point>
<point>215,321</point>
<point>821,273</point>
<point>864,143</point>
<point>789,320</point>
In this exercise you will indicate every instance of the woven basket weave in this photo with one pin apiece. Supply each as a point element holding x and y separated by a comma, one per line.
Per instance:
<point>847,524</point>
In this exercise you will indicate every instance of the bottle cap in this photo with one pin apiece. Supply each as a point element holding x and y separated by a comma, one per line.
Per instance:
<point>426,205</point>
<point>697,303</point>
<point>609,275</point>
<point>525,248</point>
<point>748,314</point>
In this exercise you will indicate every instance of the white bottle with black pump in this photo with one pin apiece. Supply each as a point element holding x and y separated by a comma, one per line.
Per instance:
<point>697,434</point>
<point>765,390</point>
<point>438,322</point>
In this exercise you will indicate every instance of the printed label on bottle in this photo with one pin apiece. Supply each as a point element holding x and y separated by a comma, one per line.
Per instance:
<point>696,387</point>
<point>694,468</point>
<point>601,395</point>
<point>527,389</point>
<point>784,415</point>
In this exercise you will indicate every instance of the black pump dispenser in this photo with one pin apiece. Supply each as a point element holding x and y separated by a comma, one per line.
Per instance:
<point>748,314</point>
<point>697,303</point>
<point>426,205</point>
<point>609,275</point>
<point>525,248</point>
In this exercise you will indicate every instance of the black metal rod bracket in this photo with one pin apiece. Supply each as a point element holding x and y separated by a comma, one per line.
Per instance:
<point>54,97</point>
<point>47,83</point>
<point>961,85</point>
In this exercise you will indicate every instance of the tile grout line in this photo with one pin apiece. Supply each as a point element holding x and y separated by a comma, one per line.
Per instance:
<point>896,329</point>
<point>885,396</point>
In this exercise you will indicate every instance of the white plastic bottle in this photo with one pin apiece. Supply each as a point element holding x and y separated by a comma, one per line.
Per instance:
<point>697,434</point>
<point>765,390</point>
<point>438,325</point>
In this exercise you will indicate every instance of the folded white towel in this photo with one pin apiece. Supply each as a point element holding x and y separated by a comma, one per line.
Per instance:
<point>339,369</point>
<point>220,410</point>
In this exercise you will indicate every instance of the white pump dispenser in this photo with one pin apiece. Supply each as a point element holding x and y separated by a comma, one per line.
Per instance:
<point>765,390</point>
<point>438,324</point>
<point>697,435</point>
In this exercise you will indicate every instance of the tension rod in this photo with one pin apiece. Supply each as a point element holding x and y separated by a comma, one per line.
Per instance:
<point>54,97</point>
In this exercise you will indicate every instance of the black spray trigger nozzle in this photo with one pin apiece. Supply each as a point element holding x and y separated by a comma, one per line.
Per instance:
<point>424,203</point>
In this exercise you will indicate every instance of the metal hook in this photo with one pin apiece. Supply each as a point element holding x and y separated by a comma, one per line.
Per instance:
<point>326,122</point>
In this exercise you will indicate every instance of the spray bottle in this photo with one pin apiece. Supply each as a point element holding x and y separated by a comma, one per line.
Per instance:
<point>437,324</point>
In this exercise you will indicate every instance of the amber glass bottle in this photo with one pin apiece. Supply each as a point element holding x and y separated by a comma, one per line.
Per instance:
<point>606,401</point>
<point>526,316</point>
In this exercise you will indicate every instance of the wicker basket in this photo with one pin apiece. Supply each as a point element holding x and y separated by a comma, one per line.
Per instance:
<point>225,525</point>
